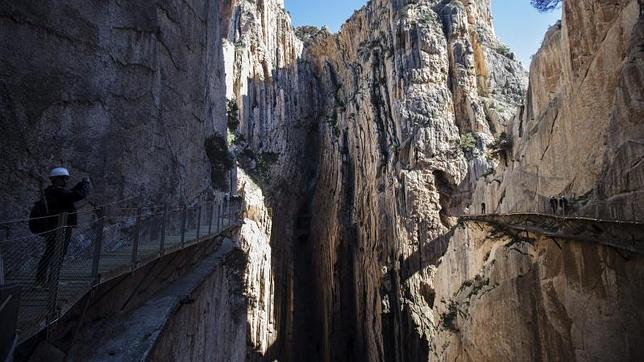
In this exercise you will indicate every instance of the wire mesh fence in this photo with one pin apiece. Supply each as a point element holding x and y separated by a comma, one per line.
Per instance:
<point>56,268</point>
<point>617,209</point>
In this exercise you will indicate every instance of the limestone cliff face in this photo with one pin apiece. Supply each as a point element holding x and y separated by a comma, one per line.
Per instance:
<point>524,297</point>
<point>508,296</point>
<point>124,92</point>
<point>579,132</point>
<point>356,140</point>
<point>368,142</point>
<point>355,152</point>
<point>408,80</point>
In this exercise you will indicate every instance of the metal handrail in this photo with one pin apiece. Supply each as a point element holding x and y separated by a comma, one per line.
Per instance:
<point>96,252</point>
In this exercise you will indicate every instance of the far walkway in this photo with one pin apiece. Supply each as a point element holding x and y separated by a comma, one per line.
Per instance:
<point>625,235</point>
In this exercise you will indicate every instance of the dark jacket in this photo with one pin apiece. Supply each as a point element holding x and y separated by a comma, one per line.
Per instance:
<point>60,200</point>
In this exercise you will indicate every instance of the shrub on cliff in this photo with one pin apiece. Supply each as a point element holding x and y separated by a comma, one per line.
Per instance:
<point>258,165</point>
<point>502,144</point>
<point>545,5</point>
<point>232,113</point>
<point>220,160</point>
<point>501,148</point>
<point>468,142</point>
<point>505,51</point>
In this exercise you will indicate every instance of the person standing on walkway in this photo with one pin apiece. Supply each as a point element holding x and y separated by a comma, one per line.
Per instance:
<point>483,208</point>
<point>563,204</point>
<point>59,200</point>
<point>553,204</point>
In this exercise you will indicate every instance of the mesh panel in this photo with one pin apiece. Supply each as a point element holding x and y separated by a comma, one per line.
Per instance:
<point>56,269</point>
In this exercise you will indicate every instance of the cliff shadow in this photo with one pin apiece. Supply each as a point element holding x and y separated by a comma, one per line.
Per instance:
<point>428,253</point>
<point>275,140</point>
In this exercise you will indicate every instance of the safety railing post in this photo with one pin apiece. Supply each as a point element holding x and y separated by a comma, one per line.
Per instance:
<point>98,245</point>
<point>137,237</point>
<point>218,218</point>
<point>164,220</point>
<point>184,217</point>
<point>198,222</point>
<point>210,214</point>
<point>227,212</point>
<point>1,271</point>
<point>224,209</point>
<point>54,271</point>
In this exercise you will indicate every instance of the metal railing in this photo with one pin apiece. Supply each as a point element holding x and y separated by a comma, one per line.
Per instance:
<point>57,268</point>
<point>622,234</point>
<point>623,209</point>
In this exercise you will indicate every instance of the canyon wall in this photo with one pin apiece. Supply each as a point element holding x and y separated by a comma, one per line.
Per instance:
<point>504,295</point>
<point>579,132</point>
<point>355,139</point>
<point>356,153</point>
<point>369,142</point>
<point>123,92</point>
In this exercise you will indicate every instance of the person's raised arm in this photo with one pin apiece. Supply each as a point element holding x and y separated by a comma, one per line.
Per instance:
<point>80,191</point>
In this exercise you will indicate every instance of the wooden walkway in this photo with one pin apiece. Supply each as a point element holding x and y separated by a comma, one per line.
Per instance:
<point>76,278</point>
<point>625,235</point>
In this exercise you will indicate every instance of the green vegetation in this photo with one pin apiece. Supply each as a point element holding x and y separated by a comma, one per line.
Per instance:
<point>426,18</point>
<point>502,144</point>
<point>232,113</point>
<point>505,51</point>
<point>258,165</point>
<point>220,160</point>
<point>468,142</point>
<point>307,33</point>
<point>263,164</point>
<point>449,318</point>
<point>545,5</point>
<point>332,121</point>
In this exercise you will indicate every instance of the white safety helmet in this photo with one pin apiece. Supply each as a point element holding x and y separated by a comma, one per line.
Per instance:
<point>59,171</point>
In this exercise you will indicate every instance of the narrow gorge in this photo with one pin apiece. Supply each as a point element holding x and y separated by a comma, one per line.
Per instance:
<point>365,160</point>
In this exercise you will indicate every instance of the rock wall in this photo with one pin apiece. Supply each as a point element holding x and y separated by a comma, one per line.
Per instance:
<point>355,139</point>
<point>503,296</point>
<point>406,80</point>
<point>356,152</point>
<point>211,325</point>
<point>579,132</point>
<point>123,92</point>
<point>382,133</point>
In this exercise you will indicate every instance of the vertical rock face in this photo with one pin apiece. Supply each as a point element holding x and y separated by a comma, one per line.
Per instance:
<point>579,132</point>
<point>356,140</point>
<point>523,297</point>
<point>125,92</point>
<point>356,151</point>
<point>407,80</point>
<point>368,142</point>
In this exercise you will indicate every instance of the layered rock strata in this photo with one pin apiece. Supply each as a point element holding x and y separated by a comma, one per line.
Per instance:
<point>356,152</point>
<point>356,140</point>
<point>504,295</point>
<point>580,131</point>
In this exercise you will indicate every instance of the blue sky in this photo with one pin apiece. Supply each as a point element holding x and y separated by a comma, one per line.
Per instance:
<point>517,23</point>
